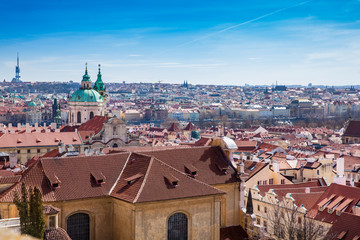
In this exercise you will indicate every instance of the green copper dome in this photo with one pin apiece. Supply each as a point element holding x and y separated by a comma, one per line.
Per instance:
<point>86,95</point>
<point>31,104</point>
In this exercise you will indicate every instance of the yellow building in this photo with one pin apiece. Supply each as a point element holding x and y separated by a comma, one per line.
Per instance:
<point>189,193</point>
<point>36,141</point>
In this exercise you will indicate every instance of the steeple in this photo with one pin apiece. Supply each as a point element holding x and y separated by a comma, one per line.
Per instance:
<point>249,204</point>
<point>99,84</point>
<point>58,118</point>
<point>86,82</point>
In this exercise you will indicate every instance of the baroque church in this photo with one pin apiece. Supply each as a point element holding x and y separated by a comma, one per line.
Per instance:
<point>87,101</point>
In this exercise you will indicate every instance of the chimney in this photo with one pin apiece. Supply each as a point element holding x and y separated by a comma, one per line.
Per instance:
<point>352,182</point>
<point>37,129</point>
<point>11,130</point>
<point>307,190</point>
<point>19,127</point>
<point>53,126</point>
<point>27,128</point>
<point>61,147</point>
<point>276,166</point>
<point>340,178</point>
<point>240,168</point>
<point>340,167</point>
<point>356,209</point>
<point>13,159</point>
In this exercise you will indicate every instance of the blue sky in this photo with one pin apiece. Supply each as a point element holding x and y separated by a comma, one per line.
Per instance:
<point>204,42</point>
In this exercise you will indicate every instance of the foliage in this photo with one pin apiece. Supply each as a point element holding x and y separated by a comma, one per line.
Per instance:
<point>30,209</point>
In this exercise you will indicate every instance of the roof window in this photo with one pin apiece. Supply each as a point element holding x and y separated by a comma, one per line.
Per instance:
<point>171,180</point>
<point>98,176</point>
<point>191,170</point>
<point>134,178</point>
<point>224,170</point>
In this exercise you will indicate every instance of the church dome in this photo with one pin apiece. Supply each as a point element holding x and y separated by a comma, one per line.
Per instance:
<point>31,104</point>
<point>86,95</point>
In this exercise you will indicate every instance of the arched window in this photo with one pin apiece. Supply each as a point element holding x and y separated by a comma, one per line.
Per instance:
<point>91,115</point>
<point>178,227</point>
<point>115,145</point>
<point>78,226</point>
<point>79,117</point>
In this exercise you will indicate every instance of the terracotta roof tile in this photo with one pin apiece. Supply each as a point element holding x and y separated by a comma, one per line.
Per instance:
<point>46,139</point>
<point>351,197</point>
<point>348,224</point>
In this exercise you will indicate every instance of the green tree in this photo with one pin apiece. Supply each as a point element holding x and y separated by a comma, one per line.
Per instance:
<point>30,209</point>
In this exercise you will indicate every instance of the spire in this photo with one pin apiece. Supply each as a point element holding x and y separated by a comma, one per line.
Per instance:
<point>249,204</point>
<point>99,84</point>
<point>86,77</point>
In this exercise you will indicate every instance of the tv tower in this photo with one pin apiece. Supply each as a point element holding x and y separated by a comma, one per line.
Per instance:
<point>17,71</point>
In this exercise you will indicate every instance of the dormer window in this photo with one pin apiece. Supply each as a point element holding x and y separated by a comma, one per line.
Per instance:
<point>98,176</point>
<point>190,170</point>
<point>134,178</point>
<point>223,170</point>
<point>171,180</point>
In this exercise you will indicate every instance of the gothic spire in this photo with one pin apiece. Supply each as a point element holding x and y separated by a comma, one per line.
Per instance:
<point>249,204</point>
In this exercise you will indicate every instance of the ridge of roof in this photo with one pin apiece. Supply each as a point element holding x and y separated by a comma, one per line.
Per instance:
<point>117,180</point>
<point>145,178</point>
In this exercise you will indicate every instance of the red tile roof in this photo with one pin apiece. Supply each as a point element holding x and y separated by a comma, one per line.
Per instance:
<point>128,176</point>
<point>347,225</point>
<point>173,128</point>
<point>233,233</point>
<point>95,124</point>
<point>39,139</point>
<point>207,160</point>
<point>190,127</point>
<point>351,197</point>
<point>353,129</point>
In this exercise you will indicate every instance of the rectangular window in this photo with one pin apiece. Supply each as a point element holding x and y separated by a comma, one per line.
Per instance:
<point>265,182</point>
<point>28,151</point>
<point>282,181</point>
<point>258,221</point>
<point>271,181</point>
<point>259,208</point>
<point>265,209</point>
<point>259,182</point>
<point>38,150</point>
<point>52,222</point>
<point>318,172</point>
<point>18,151</point>
<point>265,226</point>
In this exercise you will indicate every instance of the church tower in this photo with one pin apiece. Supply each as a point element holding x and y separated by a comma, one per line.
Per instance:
<point>85,103</point>
<point>100,86</point>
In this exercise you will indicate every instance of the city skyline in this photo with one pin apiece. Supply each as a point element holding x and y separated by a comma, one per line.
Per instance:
<point>230,43</point>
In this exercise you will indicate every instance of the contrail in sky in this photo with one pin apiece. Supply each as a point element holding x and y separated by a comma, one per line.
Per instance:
<point>243,23</point>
